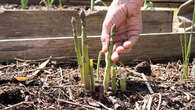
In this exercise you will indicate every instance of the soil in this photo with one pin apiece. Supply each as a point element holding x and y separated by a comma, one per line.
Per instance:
<point>58,86</point>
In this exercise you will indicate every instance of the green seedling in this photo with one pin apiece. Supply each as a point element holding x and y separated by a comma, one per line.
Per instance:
<point>102,2</point>
<point>60,5</point>
<point>24,3</point>
<point>77,48</point>
<point>123,83</point>
<point>98,65</point>
<point>85,65</point>
<point>148,5</point>
<point>114,77</point>
<point>186,47</point>
<point>49,3</point>
<point>85,57</point>
<point>91,75</point>
<point>92,5</point>
<point>108,59</point>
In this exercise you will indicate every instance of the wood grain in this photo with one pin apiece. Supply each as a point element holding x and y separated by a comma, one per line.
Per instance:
<point>20,24</point>
<point>153,46</point>
<point>79,2</point>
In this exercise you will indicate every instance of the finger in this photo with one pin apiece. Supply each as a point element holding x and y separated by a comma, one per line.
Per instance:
<point>118,47</point>
<point>105,42</point>
<point>127,50</point>
<point>115,57</point>
<point>130,42</point>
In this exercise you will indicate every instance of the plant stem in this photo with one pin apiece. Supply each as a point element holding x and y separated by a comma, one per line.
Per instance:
<point>92,5</point>
<point>114,77</point>
<point>188,48</point>
<point>98,64</point>
<point>77,48</point>
<point>85,56</point>
<point>24,3</point>
<point>108,59</point>
<point>60,5</point>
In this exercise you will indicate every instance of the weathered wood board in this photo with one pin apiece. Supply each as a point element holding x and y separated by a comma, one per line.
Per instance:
<point>153,46</point>
<point>80,2</point>
<point>20,24</point>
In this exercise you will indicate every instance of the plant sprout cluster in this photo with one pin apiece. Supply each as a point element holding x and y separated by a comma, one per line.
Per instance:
<point>186,43</point>
<point>86,65</point>
<point>49,3</point>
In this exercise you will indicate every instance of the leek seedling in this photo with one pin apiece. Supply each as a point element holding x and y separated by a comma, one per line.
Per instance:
<point>92,5</point>
<point>49,3</point>
<point>108,59</point>
<point>24,3</point>
<point>98,65</point>
<point>186,47</point>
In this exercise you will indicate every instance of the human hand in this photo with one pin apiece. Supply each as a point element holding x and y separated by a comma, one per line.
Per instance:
<point>126,15</point>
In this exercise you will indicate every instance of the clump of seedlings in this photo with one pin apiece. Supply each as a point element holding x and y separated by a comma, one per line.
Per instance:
<point>102,2</point>
<point>94,2</point>
<point>86,65</point>
<point>48,3</point>
<point>24,4</point>
<point>148,5</point>
<point>186,47</point>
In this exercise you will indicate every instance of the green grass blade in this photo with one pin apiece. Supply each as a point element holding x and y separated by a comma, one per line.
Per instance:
<point>182,47</point>
<point>24,3</point>
<point>108,59</point>
<point>186,63</point>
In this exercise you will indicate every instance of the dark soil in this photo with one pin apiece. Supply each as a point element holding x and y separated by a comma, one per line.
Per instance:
<point>58,86</point>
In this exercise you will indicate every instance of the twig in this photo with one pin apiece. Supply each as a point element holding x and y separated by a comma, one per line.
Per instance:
<point>144,105</point>
<point>43,65</point>
<point>159,103</point>
<point>149,102</point>
<point>74,103</point>
<point>15,105</point>
<point>70,93</point>
<point>137,106</point>
<point>104,106</point>
<point>115,102</point>
<point>43,59</point>
<point>147,83</point>
<point>7,66</point>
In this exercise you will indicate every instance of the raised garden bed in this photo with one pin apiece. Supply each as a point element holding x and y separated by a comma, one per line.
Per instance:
<point>29,37</point>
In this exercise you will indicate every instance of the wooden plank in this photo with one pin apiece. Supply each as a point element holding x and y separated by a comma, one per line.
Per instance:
<point>80,2</point>
<point>153,46</point>
<point>20,24</point>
